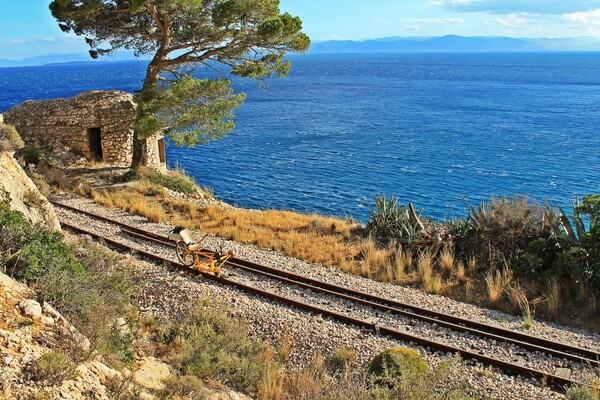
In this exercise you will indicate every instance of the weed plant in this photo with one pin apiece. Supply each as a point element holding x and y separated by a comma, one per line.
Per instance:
<point>88,286</point>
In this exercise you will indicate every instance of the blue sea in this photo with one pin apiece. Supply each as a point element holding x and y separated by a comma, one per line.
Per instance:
<point>432,129</point>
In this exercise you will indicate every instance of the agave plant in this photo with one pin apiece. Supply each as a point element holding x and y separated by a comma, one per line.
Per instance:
<point>391,222</point>
<point>569,230</point>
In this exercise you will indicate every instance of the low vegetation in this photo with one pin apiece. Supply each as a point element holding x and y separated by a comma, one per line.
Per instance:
<point>553,258</point>
<point>206,346</point>
<point>9,138</point>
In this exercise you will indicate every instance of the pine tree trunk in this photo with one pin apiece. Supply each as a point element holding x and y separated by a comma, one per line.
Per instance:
<point>140,152</point>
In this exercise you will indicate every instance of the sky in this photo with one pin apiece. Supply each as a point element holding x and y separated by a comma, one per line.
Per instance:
<point>27,29</point>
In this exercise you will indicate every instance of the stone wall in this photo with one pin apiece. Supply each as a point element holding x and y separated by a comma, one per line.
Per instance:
<point>96,124</point>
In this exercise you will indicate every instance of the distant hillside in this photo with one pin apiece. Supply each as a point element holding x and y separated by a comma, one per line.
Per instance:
<point>63,58</point>
<point>453,43</point>
<point>450,43</point>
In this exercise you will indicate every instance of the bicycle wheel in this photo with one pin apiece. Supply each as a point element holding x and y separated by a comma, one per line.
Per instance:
<point>183,255</point>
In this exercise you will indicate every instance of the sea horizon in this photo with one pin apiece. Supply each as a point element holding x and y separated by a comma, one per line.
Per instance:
<point>429,128</point>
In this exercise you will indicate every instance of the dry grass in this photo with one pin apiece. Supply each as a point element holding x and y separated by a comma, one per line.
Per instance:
<point>272,386</point>
<point>307,383</point>
<point>471,265</point>
<point>331,242</point>
<point>402,264</point>
<point>434,285</point>
<point>552,297</point>
<point>516,294</point>
<point>494,284</point>
<point>446,261</point>
<point>425,268</point>
<point>459,271</point>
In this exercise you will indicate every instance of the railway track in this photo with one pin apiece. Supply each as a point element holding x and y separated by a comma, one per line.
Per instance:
<point>584,357</point>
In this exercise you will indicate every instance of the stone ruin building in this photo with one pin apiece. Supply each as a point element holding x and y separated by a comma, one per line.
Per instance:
<point>95,124</point>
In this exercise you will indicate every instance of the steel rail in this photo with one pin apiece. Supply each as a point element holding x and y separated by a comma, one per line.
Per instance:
<point>528,342</point>
<point>556,382</point>
<point>395,310</point>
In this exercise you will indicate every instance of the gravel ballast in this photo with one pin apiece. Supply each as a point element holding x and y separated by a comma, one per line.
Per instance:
<point>169,293</point>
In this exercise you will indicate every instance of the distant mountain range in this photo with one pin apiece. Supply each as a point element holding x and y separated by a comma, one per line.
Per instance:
<point>64,58</point>
<point>453,43</point>
<point>450,43</point>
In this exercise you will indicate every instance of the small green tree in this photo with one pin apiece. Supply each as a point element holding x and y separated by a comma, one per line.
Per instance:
<point>248,38</point>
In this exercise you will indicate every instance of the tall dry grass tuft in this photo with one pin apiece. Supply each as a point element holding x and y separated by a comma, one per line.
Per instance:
<point>552,296</point>
<point>515,295</point>
<point>285,345</point>
<point>425,268</point>
<point>446,261</point>
<point>434,285</point>
<point>469,294</point>
<point>402,263</point>
<point>494,284</point>
<point>307,383</point>
<point>459,271</point>
<point>520,302</point>
<point>471,265</point>
<point>272,385</point>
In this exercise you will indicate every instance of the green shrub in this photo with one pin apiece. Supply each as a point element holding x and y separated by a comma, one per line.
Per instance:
<point>581,393</point>
<point>396,362</point>
<point>31,155</point>
<point>502,229</point>
<point>86,283</point>
<point>208,343</point>
<point>176,181</point>
<point>9,138</point>
<point>342,358</point>
<point>53,367</point>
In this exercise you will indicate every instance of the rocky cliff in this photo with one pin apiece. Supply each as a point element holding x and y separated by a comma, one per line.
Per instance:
<point>23,195</point>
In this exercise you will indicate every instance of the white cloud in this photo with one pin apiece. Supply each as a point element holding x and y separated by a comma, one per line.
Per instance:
<point>15,42</point>
<point>512,21</point>
<point>453,2</point>
<point>437,21</point>
<point>590,18</point>
<point>412,27</point>
<point>517,6</point>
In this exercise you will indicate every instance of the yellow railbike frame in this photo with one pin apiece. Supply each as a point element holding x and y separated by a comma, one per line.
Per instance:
<point>205,260</point>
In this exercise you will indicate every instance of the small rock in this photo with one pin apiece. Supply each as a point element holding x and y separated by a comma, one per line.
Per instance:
<point>122,326</point>
<point>563,373</point>
<point>31,308</point>
<point>151,373</point>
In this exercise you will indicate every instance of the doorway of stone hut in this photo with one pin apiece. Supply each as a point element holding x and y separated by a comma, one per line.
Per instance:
<point>95,143</point>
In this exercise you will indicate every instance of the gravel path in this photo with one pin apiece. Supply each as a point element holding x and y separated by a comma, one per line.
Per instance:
<point>168,293</point>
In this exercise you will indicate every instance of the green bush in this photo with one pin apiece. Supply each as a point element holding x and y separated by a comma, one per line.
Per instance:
<point>397,362</point>
<point>9,138</point>
<point>208,343</point>
<point>342,358</point>
<point>31,155</point>
<point>581,393</point>
<point>502,229</point>
<point>176,180</point>
<point>53,367</point>
<point>87,284</point>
